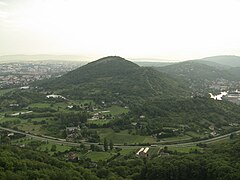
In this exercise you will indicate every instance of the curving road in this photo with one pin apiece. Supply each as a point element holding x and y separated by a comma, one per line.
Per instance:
<point>63,141</point>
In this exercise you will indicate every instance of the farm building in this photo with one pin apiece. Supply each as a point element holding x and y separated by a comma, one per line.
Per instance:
<point>73,157</point>
<point>143,152</point>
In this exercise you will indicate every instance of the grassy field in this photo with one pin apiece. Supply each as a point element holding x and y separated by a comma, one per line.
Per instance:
<point>177,138</point>
<point>97,156</point>
<point>116,110</point>
<point>4,91</point>
<point>153,151</point>
<point>24,140</point>
<point>59,148</point>
<point>29,127</point>
<point>45,145</point>
<point>39,105</point>
<point>8,119</point>
<point>194,134</point>
<point>127,151</point>
<point>98,122</point>
<point>87,102</point>
<point>61,106</point>
<point>123,137</point>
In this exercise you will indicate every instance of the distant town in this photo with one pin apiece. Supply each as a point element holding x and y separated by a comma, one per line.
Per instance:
<point>23,73</point>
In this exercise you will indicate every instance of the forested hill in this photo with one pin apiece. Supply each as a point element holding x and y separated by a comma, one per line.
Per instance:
<point>105,67</point>
<point>115,76</point>
<point>232,61</point>
<point>195,71</point>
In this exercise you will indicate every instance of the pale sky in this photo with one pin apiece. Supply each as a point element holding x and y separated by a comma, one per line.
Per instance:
<point>164,29</point>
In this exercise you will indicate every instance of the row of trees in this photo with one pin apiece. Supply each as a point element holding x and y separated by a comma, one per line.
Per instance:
<point>107,144</point>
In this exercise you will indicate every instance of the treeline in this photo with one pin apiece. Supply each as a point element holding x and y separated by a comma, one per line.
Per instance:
<point>16,163</point>
<point>72,119</point>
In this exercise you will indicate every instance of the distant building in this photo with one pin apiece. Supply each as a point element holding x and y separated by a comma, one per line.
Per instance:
<point>73,157</point>
<point>72,129</point>
<point>212,127</point>
<point>163,154</point>
<point>10,134</point>
<point>140,150</point>
<point>24,87</point>
<point>14,105</point>
<point>134,123</point>
<point>214,133</point>
<point>55,96</point>
<point>143,152</point>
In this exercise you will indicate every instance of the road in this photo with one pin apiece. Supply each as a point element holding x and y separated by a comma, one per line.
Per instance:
<point>63,141</point>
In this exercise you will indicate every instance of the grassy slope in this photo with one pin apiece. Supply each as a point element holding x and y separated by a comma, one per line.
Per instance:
<point>123,137</point>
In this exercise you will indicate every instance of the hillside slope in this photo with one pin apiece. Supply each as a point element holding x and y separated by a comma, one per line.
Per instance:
<point>235,72</point>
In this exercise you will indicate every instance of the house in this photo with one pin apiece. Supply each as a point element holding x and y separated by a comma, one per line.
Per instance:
<point>72,129</point>
<point>14,105</point>
<point>73,133</point>
<point>70,106</point>
<point>20,145</point>
<point>233,124</point>
<point>140,150</point>
<point>56,96</point>
<point>10,134</point>
<point>163,154</point>
<point>24,87</point>
<point>212,127</point>
<point>134,123</point>
<point>214,133</point>
<point>73,157</point>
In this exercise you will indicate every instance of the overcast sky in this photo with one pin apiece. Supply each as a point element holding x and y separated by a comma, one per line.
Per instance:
<point>165,29</point>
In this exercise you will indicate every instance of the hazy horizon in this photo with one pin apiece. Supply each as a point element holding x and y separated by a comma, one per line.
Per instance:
<point>163,30</point>
<point>79,58</point>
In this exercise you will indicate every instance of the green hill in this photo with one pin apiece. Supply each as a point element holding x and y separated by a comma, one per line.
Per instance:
<point>233,61</point>
<point>114,78</point>
<point>191,70</point>
<point>213,64</point>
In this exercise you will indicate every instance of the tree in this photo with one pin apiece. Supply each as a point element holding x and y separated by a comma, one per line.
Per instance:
<point>92,147</point>
<point>165,149</point>
<point>54,147</point>
<point>105,144</point>
<point>111,145</point>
